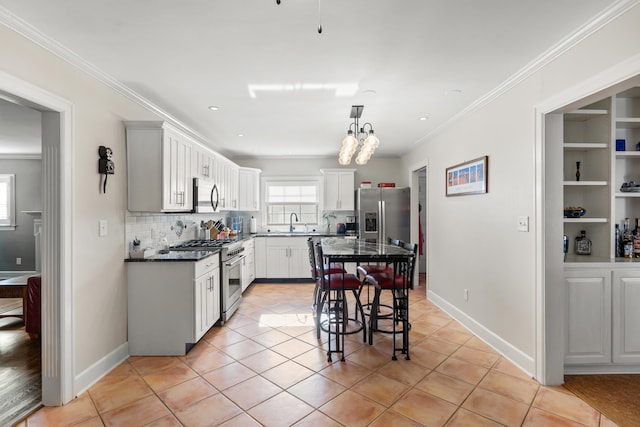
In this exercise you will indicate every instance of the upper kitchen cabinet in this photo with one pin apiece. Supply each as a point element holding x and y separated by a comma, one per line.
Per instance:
<point>339,186</point>
<point>249,189</point>
<point>226,178</point>
<point>203,163</point>
<point>159,160</point>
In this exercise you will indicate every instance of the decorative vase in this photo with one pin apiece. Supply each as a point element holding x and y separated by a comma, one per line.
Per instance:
<point>577,171</point>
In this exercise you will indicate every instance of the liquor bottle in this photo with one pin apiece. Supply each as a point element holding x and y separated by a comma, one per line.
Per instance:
<point>577,171</point>
<point>583,244</point>
<point>627,240</point>
<point>636,240</point>
<point>618,242</point>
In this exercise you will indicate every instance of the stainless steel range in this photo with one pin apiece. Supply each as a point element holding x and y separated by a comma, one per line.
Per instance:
<point>231,258</point>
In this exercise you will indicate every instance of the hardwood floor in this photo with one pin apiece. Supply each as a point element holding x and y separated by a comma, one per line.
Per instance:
<point>20,367</point>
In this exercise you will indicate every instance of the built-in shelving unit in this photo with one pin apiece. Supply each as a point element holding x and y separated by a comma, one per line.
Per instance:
<point>587,144</point>
<point>602,291</point>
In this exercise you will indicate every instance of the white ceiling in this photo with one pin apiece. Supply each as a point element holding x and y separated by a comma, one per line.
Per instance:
<point>405,59</point>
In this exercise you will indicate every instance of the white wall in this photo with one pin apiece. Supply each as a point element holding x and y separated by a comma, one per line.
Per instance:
<point>98,270</point>
<point>378,169</point>
<point>479,231</point>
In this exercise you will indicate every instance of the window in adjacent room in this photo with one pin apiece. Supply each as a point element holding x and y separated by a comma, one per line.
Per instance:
<point>285,197</point>
<point>7,202</point>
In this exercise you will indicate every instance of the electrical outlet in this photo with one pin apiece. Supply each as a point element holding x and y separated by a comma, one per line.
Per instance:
<point>466,294</point>
<point>523,223</point>
<point>18,261</point>
<point>102,226</point>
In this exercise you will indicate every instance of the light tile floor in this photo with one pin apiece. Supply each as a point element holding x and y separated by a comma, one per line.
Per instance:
<point>266,367</point>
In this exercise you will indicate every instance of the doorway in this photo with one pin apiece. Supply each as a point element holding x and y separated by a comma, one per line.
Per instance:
<point>419,221</point>
<point>57,217</point>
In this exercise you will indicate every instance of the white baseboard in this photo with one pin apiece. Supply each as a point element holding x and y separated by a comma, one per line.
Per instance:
<point>523,361</point>
<point>102,367</point>
<point>601,369</point>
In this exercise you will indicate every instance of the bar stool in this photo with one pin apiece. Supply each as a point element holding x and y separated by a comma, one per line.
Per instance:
<point>366,269</point>
<point>398,282</point>
<point>333,289</point>
<point>334,268</point>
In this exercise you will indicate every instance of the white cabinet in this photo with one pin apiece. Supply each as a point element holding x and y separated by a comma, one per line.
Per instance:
<point>171,305</point>
<point>588,317</point>
<point>339,186</point>
<point>159,160</point>
<point>248,264</point>
<point>626,317</point>
<point>260,256</point>
<point>203,164</point>
<point>287,258</point>
<point>226,178</point>
<point>249,189</point>
<point>207,295</point>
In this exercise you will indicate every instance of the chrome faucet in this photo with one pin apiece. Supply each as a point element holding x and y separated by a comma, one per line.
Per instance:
<point>291,221</point>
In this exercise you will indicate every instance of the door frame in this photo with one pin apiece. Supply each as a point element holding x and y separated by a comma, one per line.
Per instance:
<point>57,238</point>
<point>549,293</point>
<point>414,177</point>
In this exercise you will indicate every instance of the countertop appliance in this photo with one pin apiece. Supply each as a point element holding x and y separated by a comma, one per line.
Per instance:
<point>382,213</point>
<point>205,196</point>
<point>351,228</point>
<point>231,259</point>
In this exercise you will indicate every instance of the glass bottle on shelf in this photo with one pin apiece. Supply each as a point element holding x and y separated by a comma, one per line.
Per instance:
<point>627,240</point>
<point>636,240</point>
<point>577,171</point>
<point>617,243</point>
<point>583,244</point>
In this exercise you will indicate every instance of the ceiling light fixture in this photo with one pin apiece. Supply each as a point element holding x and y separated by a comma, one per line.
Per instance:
<point>213,108</point>
<point>355,136</point>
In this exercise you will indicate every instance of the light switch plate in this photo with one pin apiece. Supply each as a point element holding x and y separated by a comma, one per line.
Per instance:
<point>523,223</point>
<point>102,224</point>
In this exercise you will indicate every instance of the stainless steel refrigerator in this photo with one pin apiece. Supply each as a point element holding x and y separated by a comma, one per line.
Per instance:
<point>382,213</point>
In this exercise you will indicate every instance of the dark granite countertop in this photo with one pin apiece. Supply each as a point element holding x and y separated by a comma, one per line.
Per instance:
<point>176,256</point>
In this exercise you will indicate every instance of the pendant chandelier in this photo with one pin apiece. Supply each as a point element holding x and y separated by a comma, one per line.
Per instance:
<point>357,136</point>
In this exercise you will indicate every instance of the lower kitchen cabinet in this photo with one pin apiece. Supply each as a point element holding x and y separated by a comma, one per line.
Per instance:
<point>248,264</point>
<point>260,256</point>
<point>287,258</point>
<point>602,319</point>
<point>171,305</point>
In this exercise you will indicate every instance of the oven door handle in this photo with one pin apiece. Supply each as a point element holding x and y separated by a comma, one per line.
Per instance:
<point>235,261</point>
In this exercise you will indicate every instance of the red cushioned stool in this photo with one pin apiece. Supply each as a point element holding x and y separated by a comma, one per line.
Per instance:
<point>398,282</point>
<point>334,317</point>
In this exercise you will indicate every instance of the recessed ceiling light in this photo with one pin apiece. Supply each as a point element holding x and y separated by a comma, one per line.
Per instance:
<point>368,92</point>
<point>454,92</point>
<point>240,135</point>
<point>213,108</point>
<point>422,119</point>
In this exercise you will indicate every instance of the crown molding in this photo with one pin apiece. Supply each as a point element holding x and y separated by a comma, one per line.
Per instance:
<point>573,39</point>
<point>28,31</point>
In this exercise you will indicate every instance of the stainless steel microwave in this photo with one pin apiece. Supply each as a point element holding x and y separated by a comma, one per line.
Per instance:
<point>205,196</point>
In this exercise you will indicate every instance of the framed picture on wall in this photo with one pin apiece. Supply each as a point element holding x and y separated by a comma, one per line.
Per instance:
<point>467,178</point>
